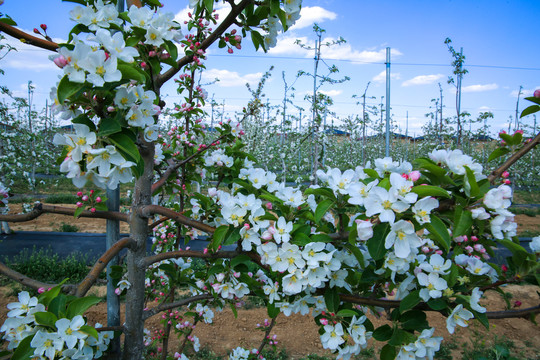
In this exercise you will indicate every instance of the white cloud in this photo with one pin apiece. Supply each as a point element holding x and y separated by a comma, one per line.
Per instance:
<point>479,88</point>
<point>381,77</point>
<point>422,80</point>
<point>524,92</point>
<point>230,78</point>
<point>286,45</point>
<point>310,15</point>
<point>331,92</point>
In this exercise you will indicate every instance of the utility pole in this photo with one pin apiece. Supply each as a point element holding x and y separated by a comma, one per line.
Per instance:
<point>387,149</point>
<point>516,126</point>
<point>33,144</point>
<point>364,124</point>
<point>441,115</point>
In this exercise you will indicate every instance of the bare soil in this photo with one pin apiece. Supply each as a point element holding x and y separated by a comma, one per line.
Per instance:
<point>299,334</point>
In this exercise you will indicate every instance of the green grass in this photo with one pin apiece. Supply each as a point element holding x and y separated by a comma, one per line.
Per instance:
<point>532,212</point>
<point>526,197</point>
<point>64,227</point>
<point>46,266</point>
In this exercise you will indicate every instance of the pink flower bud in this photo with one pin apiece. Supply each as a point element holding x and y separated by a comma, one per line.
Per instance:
<point>41,290</point>
<point>414,175</point>
<point>507,182</point>
<point>110,108</point>
<point>230,51</point>
<point>517,303</point>
<point>469,249</point>
<point>504,268</point>
<point>36,31</point>
<point>438,252</point>
<point>98,199</point>
<point>324,321</point>
<point>152,53</point>
<point>60,61</point>
<point>91,192</point>
<point>85,198</point>
<point>117,291</point>
<point>79,204</point>
<point>93,210</point>
<point>536,93</point>
<point>79,193</point>
<point>505,174</point>
<point>43,26</point>
<point>269,205</point>
<point>474,238</point>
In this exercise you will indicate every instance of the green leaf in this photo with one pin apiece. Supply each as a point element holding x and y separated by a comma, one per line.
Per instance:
<point>414,320</point>
<point>48,296</point>
<point>375,245</point>
<point>357,254</point>
<point>24,351</point>
<point>132,72</point>
<point>218,237</point>
<point>232,236</point>
<point>331,299</point>
<point>347,313</point>
<point>110,125</point>
<point>462,222</point>
<point>209,5</point>
<point>372,173</point>
<point>530,110</point>
<point>322,208</point>
<point>90,331</point>
<point>67,88</point>
<point>240,259</point>
<point>429,190</point>
<point>84,120</point>
<point>321,238</point>
<point>80,305</point>
<point>324,192</point>
<point>533,99</point>
<point>383,333</point>
<point>471,186</point>
<point>498,153</point>
<point>272,310</point>
<point>57,306</point>
<point>388,352</point>
<point>437,304</point>
<point>125,145</point>
<point>301,239</point>
<point>518,252</point>
<point>46,318</point>
<point>440,232</point>
<point>410,301</point>
<point>430,166</point>
<point>8,20</point>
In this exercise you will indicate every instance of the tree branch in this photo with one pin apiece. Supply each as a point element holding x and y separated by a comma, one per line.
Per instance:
<point>231,17</point>
<point>23,279</point>
<point>149,260</point>
<point>27,38</point>
<point>101,264</point>
<point>512,159</point>
<point>40,209</point>
<point>167,306</point>
<point>149,210</point>
<point>266,336</point>
<point>176,165</point>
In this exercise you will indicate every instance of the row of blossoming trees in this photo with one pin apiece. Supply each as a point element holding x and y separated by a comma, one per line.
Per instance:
<point>337,250</point>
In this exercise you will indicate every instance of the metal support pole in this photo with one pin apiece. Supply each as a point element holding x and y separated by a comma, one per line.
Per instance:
<point>387,150</point>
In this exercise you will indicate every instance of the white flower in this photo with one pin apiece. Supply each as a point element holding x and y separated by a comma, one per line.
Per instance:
<point>403,188</point>
<point>383,202</point>
<point>480,214</point>
<point>68,330</point>
<point>358,331</point>
<point>282,230</point>
<point>116,45</point>
<point>364,229</point>
<point>100,69</point>
<point>498,198</point>
<point>359,192</point>
<point>459,316</point>
<point>47,344</point>
<point>239,354</point>
<point>427,345</point>
<point>436,264</point>
<point>332,337</point>
<point>423,208</point>
<point>403,238</point>
<point>27,305</point>
<point>433,285</point>
<point>475,298</point>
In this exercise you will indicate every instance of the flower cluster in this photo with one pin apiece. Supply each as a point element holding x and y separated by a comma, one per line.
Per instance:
<point>69,338</point>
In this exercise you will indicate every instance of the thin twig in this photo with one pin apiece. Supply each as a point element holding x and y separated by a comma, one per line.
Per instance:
<point>512,159</point>
<point>148,210</point>
<point>266,336</point>
<point>168,306</point>
<point>101,264</point>
<point>27,38</point>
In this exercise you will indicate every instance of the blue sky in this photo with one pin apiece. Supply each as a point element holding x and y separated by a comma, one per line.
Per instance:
<point>499,39</point>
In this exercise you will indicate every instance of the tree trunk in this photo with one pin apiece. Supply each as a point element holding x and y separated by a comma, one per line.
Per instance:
<point>134,325</point>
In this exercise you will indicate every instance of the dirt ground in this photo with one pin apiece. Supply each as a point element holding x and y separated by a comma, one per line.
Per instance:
<point>298,334</point>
